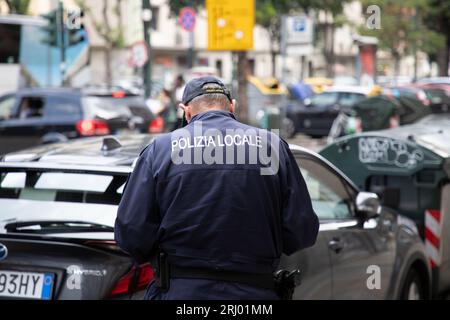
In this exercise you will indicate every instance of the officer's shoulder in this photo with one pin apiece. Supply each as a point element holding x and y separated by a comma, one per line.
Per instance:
<point>272,135</point>
<point>152,144</point>
<point>158,142</point>
<point>162,138</point>
<point>146,149</point>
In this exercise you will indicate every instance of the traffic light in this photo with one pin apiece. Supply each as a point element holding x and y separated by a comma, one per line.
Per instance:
<point>76,36</point>
<point>51,29</point>
<point>76,31</point>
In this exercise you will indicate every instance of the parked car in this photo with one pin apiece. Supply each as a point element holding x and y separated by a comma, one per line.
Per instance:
<point>377,113</point>
<point>31,117</point>
<point>319,84</point>
<point>394,81</point>
<point>408,167</point>
<point>68,196</point>
<point>316,116</point>
<point>439,96</point>
<point>435,80</point>
<point>409,91</point>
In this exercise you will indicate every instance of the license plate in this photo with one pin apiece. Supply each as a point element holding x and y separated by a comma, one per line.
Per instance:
<point>26,285</point>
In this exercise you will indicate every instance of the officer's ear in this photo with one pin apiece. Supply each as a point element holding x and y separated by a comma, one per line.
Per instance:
<point>187,111</point>
<point>233,106</point>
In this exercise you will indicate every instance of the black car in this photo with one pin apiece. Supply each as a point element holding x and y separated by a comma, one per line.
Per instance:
<point>383,112</point>
<point>31,117</point>
<point>59,204</point>
<point>316,116</point>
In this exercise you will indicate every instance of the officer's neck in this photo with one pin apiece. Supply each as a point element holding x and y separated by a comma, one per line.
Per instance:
<point>205,111</point>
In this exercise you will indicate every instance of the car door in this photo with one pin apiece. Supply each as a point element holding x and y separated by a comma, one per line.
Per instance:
<point>357,249</point>
<point>315,262</point>
<point>25,126</point>
<point>315,267</point>
<point>363,257</point>
<point>8,110</point>
<point>321,112</point>
<point>7,104</point>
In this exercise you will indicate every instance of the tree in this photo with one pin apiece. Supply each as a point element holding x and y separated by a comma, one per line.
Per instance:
<point>112,35</point>
<point>177,5</point>
<point>17,6</point>
<point>334,18</point>
<point>268,15</point>
<point>437,18</point>
<point>402,30</point>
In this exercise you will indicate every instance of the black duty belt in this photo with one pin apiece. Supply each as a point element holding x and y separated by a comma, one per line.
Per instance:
<point>265,281</point>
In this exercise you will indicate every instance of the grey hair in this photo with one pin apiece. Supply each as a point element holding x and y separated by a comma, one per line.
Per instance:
<point>209,100</point>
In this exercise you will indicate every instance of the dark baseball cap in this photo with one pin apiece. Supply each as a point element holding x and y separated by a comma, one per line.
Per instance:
<point>194,89</point>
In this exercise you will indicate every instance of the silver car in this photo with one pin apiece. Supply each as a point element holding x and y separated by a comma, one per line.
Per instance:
<point>363,251</point>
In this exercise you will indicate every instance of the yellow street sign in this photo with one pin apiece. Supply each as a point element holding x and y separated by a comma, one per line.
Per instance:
<point>230,24</point>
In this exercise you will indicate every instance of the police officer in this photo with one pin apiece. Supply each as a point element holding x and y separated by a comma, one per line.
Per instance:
<point>215,204</point>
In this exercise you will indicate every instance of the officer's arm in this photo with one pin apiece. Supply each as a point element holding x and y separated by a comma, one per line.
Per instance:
<point>137,220</point>
<point>300,223</point>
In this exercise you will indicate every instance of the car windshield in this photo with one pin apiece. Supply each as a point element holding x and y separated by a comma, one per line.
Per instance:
<point>437,96</point>
<point>105,107</point>
<point>42,195</point>
<point>349,99</point>
<point>324,99</point>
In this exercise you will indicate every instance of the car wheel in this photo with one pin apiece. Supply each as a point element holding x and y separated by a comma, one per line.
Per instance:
<point>413,288</point>
<point>288,129</point>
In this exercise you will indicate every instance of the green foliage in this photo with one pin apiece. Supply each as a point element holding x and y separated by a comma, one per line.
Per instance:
<point>177,5</point>
<point>402,27</point>
<point>18,6</point>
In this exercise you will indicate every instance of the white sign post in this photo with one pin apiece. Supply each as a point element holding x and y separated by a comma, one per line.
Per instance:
<point>297,38</point>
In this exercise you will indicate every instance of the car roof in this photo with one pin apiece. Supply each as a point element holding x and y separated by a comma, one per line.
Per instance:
<point>99,153</point>
<point>434,80</point>
<point>432,133</point>
<point>48,91</point>
<point>89,151</point>
<point>350,89</point>
<point>92,154</point>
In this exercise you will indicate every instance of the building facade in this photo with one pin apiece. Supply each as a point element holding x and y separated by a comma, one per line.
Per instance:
<point>170,45</point>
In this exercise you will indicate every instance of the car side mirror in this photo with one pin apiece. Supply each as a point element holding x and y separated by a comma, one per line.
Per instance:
<point>368,205</point>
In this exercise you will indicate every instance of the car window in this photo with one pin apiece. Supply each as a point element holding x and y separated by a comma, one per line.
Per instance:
<point>348,99</point>
<point>329,195</point>
<point>324,99</point>
<point>6,106</point>
<point>110,108</point>
<point>66,187</point>
<point>31,107</point>
<point>412,110</point>
<point>61,107</point>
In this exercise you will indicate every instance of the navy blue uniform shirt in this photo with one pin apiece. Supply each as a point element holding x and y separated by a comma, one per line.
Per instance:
<point>217,209</point>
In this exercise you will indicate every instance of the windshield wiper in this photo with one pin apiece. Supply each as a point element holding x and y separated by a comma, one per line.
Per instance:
<point>49,226</point>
